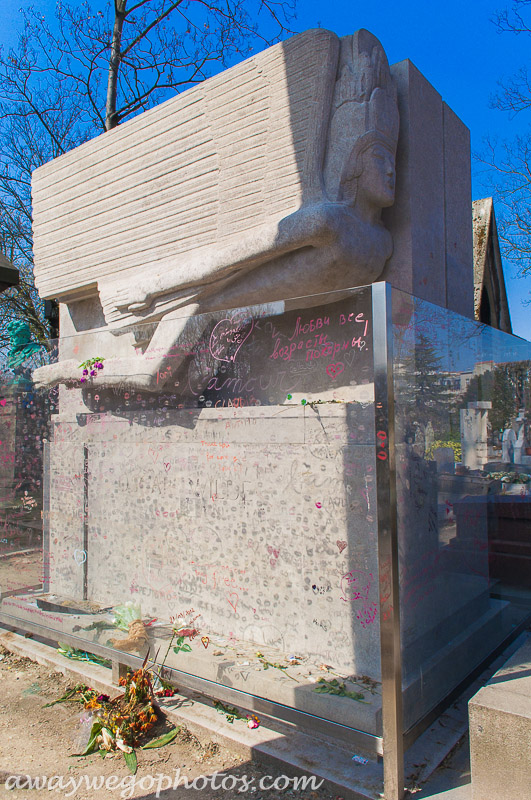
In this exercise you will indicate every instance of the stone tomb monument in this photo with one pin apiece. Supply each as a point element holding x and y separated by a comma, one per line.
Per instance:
<point>264,183</point>
<point>224,461</point>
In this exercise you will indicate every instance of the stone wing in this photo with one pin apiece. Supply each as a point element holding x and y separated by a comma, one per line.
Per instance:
<point>243,149</point>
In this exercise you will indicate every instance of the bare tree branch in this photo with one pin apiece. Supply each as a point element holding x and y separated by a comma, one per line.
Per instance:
<point>150,27</point>
<point>508,164</point>
<point>97,64</point>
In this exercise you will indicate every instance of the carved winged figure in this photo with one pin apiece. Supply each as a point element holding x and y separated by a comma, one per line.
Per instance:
<point>289,199</point>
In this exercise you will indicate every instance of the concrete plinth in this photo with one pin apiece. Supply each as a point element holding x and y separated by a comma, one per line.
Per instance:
<point>500,732</point>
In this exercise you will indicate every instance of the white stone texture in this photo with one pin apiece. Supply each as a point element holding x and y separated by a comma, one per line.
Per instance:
<point>220,173</point>
<point>238,516</point>
<point>190,174</point>
<point>474,430</point>
<point>285,203</point>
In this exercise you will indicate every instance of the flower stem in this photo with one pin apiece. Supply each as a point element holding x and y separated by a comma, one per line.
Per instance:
<point>167,651</point>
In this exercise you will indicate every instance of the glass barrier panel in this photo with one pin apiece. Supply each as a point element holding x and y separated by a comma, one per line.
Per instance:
<point>206,493</point>
<point>463,455</point>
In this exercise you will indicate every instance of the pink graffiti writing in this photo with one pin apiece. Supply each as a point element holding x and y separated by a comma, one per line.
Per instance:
<point>356,585</point>
<point>308,327</point>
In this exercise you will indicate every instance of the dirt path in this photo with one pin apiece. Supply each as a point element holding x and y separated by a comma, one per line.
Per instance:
<point>39,742</point>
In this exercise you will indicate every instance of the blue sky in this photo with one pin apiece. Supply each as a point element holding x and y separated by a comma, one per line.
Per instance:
<point>455,45</point>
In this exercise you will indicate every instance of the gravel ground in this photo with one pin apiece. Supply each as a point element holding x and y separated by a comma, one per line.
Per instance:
<point>41,742</point>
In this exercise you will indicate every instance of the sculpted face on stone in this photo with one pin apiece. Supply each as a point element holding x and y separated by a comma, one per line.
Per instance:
<point>369,181</point>
<point>364,121</point>
<point>341,123</point>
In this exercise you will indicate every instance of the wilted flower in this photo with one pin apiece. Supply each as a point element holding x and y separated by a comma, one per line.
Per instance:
<point>122,746</point>
<point>253,722</point>
<point>107,739</point>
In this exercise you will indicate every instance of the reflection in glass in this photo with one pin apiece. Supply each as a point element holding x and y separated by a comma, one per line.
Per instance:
<point>462,405</point>
<point>227,518</point>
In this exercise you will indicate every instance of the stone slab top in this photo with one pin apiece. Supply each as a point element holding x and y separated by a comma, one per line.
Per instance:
<point>509,690</point>
<point>195,171</point>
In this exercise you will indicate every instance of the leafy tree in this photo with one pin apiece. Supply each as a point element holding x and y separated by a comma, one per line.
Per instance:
<point>88,69</point>
<point>422,395</point>
<point>506,387</point>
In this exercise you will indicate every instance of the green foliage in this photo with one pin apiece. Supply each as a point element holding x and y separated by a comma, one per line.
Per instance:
<point>131,761</point>
<point>274,665</point>
<point>231,713</point>
<point>166,738</point>
<point>511,477</point>
<point>125,613</point>
<point>80,655</point>
<point>181,645</point>
<point>455,445</point>
<point>507,387</point>
<point>75,694</point>
<point>92,745</point>
<point>22,347</point>
<point>421,394</point>
<point>336,688</point>
<point>504,397</point>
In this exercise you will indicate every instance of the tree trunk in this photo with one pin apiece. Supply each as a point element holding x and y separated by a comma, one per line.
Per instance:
<point>111,120</point>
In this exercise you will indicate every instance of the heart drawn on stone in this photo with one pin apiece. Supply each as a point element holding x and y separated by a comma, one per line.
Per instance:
<point>3,401</point>
<point>227,338</point>
<point>341,545</point>
<point>80,556</point>
<point>167,466</point>
<point>234,601</point>
<point>205,641</point>
<point>335,369</point>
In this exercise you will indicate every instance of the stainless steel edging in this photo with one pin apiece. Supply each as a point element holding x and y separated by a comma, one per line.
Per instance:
<point>46,515</point>
<point>309,723</point>
<point>390,651</point>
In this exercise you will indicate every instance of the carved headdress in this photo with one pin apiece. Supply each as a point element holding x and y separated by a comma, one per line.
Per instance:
<point>364,108</point>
